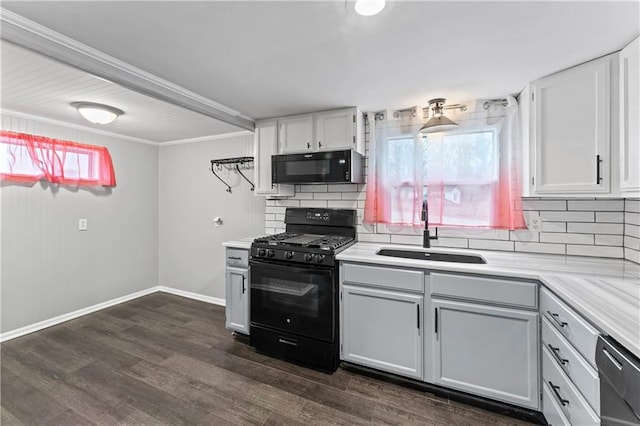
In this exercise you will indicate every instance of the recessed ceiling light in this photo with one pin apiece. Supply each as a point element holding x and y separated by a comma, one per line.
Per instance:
<point>369,7</point>
<point>97,113</point>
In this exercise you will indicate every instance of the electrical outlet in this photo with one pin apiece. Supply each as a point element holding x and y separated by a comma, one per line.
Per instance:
<point>534,223</point>
<point>82,224</point>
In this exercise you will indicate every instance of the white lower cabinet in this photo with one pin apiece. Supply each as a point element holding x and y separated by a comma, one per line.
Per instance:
<point>476,334</point>
<point>382,329</point>
<point>486,350</point>
<point>382,317</point>
<point>237,291</point>
<point>565,394</point>
<point>568,364</point>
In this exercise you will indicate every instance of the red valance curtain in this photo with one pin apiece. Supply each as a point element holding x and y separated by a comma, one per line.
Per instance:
<point>30,158</point>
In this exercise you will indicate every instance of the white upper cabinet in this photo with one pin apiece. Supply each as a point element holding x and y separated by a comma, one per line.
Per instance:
<point>570,130</point>
<point>266,145</point>
<point>296,133</point>
<point>336,129</point>
<point>322,131</point>
<point>630,117</point>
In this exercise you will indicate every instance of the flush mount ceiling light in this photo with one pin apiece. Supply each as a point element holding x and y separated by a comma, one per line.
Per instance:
<point>438,121</point>
<point>369,7</point>
<point>97,113</point>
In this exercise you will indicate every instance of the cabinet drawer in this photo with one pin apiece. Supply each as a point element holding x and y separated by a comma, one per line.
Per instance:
<point>484,289</point>
<point>582,335</point>
<point>577,369</point>
<point>575,408</point>
<point>238,257</point>
<point>399,279</point>
<point>551,408</point>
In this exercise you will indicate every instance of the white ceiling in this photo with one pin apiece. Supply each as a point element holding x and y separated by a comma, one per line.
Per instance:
<point>35,85</point>
<point>267,59</point>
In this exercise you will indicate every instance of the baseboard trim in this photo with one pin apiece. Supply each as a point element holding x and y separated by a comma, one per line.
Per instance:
<point>195,296</point>
<point>18,332</point>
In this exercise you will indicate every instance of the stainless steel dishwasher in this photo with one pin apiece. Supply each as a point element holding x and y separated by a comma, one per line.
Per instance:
<point>619,372</point>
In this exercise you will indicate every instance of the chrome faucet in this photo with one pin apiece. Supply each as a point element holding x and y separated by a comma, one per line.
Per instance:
<point>426,238</point>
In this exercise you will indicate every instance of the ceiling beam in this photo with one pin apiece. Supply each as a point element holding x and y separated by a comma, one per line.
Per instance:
<point>33,36</point>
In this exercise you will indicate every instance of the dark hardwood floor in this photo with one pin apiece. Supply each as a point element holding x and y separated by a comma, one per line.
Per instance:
<point>163,359</point>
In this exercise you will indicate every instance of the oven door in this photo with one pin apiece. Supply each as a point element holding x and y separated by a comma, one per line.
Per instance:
<point>294,299</point>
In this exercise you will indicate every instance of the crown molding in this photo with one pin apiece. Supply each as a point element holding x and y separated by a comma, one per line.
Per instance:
<point>207,138</point>
<point>33,36</point>
<point>76,127</point>
<point>87,129</point>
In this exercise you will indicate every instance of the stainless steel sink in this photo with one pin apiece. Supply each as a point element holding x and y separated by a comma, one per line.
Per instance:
<point>432,256</point>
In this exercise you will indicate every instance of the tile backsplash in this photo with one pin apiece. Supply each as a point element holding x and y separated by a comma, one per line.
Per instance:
<point>631,243</point>
<point>584,227</point>
<point>605,227</point>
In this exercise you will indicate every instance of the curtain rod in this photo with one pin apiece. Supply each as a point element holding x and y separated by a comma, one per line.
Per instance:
<point>503,102</point>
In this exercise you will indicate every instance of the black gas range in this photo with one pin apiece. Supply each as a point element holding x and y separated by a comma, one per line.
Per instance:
<point>294,286</point>
<point>300,248</point>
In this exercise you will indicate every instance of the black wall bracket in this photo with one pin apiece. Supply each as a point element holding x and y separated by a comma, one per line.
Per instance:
<point>236,164</point>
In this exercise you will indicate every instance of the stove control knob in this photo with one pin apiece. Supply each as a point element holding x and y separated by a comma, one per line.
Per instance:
<point>261,252</point>
<point>318,258</point>
<point>288,254</point>
<point>308,257</point>
<point>270,253</point>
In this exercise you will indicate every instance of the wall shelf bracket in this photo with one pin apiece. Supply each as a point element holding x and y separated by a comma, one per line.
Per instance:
<point>234,163</point>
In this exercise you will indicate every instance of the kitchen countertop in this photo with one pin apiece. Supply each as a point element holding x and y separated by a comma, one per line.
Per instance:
<point>241,243</point>
<point>605,291</point>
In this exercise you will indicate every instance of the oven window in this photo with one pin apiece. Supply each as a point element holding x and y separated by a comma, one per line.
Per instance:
<point>293,299</point>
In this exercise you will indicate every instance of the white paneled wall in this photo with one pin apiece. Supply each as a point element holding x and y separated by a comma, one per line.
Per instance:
<point>632,230</point>
<point>191,253</point>
<point>49,268</point>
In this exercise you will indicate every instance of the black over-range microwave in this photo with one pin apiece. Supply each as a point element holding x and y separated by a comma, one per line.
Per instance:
<point>317,167</point>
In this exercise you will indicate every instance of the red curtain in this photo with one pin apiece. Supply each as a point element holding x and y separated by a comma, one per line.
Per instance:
<point>30,158</point>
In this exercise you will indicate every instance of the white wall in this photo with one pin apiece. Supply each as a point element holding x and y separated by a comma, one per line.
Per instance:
<point>191,253</point>
<point>49,268</point>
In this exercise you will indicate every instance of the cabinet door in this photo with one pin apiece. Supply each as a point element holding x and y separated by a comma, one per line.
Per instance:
<point>237,300</point>
<point>382,329</point>
<point>296,133</point>
<point>570,130</point>
<point>336,129</point>
<point>486,350</point>
<point>629,117</point>
<point>266,145</point>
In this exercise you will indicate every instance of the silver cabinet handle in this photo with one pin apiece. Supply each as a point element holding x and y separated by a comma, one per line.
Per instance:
<point>287,342</point>
<point>556,355</point>
<point>615,362</point>
<point>555,319</point>
<point>555,389</point>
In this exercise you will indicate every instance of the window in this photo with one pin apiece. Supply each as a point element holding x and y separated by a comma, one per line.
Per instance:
<point>469,176</point>
<point>30,158</point>
<point>461,177</point>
